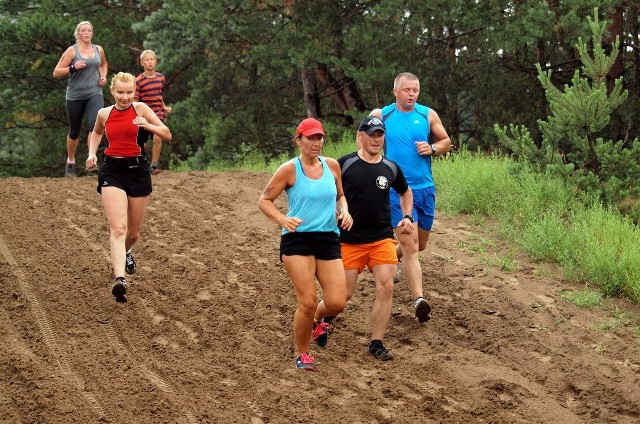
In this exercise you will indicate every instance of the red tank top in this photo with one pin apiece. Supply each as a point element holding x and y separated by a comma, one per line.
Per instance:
<point>122,134</point>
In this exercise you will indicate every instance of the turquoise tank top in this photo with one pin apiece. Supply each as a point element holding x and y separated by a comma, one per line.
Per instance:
<point>403,129</point>
<point>313,201</point>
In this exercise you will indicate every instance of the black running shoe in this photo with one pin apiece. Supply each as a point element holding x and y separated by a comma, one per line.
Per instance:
<point>130,265</point>
<point>321,333</point>
<point>423,310</point>
<point>377,349</point>
<point>119,289</point>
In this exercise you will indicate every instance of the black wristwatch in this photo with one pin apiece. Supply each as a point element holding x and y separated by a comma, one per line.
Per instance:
<point>409,217</point>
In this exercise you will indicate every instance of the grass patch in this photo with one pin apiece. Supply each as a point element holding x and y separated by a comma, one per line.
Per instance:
<point>608,324</point>
<point>505,263</point>
<point>590,242</point>
<point>583,298</point>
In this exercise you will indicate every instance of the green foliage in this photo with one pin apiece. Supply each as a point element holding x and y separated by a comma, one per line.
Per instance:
<point>570,146</point>
<point>604,250</point>
<point>33,111</point>
<point>583,298</point>
<point>619,176</point>
<point>519,142</point>
<point>505,263</point>
<point>237,66</point>
<point>541,213</point>
<point>252,160</point>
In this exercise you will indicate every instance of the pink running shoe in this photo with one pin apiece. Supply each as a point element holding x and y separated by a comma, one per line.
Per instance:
<point>321,333</point>
<point>305,362</point>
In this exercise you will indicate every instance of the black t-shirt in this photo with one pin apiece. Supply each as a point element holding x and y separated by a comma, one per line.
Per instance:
<point>366,187</point>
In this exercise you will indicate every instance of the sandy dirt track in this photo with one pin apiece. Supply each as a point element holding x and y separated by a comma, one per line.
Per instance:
<point>206,334</point>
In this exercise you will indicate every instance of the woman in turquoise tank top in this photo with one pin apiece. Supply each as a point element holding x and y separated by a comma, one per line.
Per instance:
<point>309,246</point>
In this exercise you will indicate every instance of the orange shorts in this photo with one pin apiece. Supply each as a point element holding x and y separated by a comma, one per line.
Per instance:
<point>357,256</point>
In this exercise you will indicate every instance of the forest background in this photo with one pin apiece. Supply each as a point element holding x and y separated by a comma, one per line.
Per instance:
<point>546,86</point>
<point>241,74</point>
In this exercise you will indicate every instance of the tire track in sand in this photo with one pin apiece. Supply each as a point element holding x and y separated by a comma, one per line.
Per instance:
<point>49,333</point>
<point>112,334</point>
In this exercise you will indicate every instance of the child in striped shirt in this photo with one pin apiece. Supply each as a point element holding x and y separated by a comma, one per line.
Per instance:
<point>149,85</point>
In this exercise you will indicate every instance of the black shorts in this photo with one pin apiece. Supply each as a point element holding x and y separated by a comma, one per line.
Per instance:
<point>132,175</point>
<point>323,245</point>
<point>145,135</point>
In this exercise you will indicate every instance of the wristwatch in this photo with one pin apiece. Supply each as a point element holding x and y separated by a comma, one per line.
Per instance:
<point>433,148</point>
<point>409,217</point>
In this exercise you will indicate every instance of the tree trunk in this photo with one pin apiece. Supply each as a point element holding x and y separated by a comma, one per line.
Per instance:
<point>349,90</point>
<point>634,19</point>
<point>311,98</point>
<point>454,133</point>
<point>323,75</point>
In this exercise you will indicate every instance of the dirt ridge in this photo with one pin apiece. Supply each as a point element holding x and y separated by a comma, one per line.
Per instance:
<point>206,335</point>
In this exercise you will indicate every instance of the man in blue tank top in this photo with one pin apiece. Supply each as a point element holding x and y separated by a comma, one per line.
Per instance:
<point>414,134</point>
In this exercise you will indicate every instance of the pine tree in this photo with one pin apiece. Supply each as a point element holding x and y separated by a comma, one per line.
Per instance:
<point>570,144</point>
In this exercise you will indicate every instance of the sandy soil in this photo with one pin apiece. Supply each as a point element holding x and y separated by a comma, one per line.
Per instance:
<point>206,335</point>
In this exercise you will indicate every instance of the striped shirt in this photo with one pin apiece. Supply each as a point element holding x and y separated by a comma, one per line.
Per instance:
<point>149,91</point>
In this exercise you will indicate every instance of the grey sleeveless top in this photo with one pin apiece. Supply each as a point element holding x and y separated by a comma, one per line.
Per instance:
<point>84,83</point>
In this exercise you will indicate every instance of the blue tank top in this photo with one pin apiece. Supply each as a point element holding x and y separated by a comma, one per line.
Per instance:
<point>313,201</point>
<point>84,84</point>
<point>403,129</point>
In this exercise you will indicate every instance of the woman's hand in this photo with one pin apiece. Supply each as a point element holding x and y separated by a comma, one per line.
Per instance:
<point>80,64</point>
<point>345,220</point>
<point>141,121</point>
<point>291,223</point>
<point>92,163</point>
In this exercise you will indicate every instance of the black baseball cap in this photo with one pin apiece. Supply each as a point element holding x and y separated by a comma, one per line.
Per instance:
<point>371,124</point>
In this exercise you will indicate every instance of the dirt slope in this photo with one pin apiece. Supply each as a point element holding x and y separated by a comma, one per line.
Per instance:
<point>206,335</point>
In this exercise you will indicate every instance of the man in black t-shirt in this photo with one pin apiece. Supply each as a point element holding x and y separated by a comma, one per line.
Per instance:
<point>366,179</point>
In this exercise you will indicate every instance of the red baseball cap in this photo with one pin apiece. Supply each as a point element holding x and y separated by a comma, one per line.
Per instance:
<point>309,126</point>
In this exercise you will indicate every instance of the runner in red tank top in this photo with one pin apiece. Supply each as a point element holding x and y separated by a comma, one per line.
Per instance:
<point>124,179</point>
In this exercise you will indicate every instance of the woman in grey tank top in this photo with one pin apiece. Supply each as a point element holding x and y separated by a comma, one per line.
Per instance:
<point>86,65</point>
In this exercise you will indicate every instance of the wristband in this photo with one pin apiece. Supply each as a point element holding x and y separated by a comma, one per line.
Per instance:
<point>72,69</point>
<point>409,217</point>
